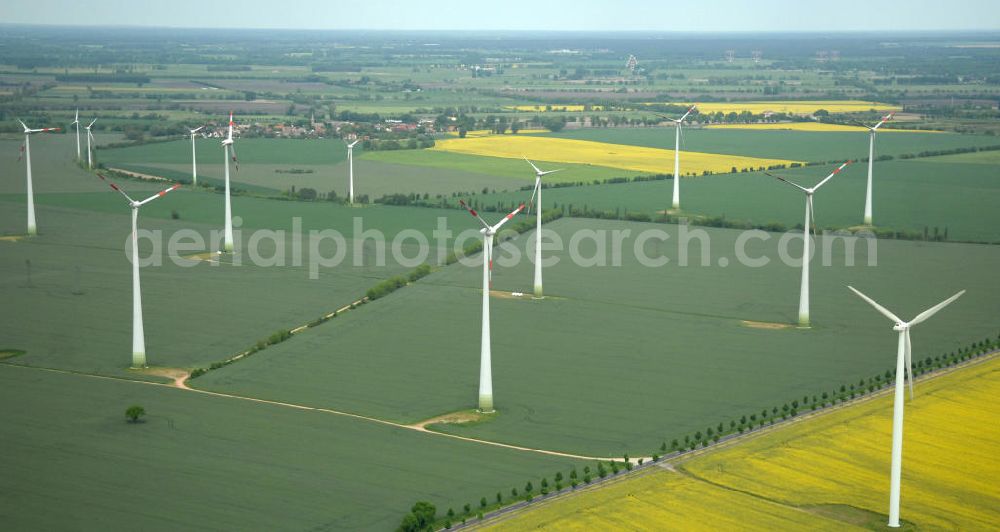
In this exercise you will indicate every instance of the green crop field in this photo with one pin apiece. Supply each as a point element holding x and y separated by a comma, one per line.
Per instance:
<point>792,145</point>
<point>621,358</point>
<point>193,315</point>
<point>908,195</point>
<point>250,151</point>
<point>219,463</point>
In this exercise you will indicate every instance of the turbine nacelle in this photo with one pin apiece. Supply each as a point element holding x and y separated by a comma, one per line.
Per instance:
<point>901,327</point>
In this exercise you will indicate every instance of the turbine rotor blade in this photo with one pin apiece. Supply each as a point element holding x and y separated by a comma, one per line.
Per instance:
<point>884,311</point>
<point>538,183</point>
<point>681,119</point>
<point>114,186</point>
<point>552,171</point>
<point>909,359</point>
<point>232,151</point>
<point>92,123</point>
<point>933,310</point>
<point>506,218</point>
<point>779,178</point>
<point>159,194</point>
<point>489,258</point>
<point>885,119</point>
<point>537,170</point>
<point>474,213</point>
<point>812,213</point>
<point>829,177</point>
<point>25,126</point>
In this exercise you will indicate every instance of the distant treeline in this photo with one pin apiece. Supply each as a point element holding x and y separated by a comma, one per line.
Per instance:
<point>329,67</point>
<point>228,68</point>
<point>103,78</point>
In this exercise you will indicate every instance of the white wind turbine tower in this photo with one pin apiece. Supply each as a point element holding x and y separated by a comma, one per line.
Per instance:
<point>76,122</point>
<point>485,363</point>
<point>678,123</point>
<point>194,158</point>
<point>90,136</point>
<point>350,170</point>
<point>537,193</point>
<point>903,362</point>
<point>871,160</point>
<point>227,147</point>
<point>138,337</point>
<point>32,228</point>
<point>810,219</point>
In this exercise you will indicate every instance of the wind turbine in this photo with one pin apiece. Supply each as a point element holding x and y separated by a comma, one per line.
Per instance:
<point>138,337</point>
<point>350,170</point>
<point>804,290</point>
<point>538,224</point>
<point>32,228</point>
<point>227,147</point>
<point>76,122</point>
<point>485,365</point>
<point>678,122</point>
<point>90,136</point>
<point>871,159</point>
<point>903,361</point>
<point>194,158</point>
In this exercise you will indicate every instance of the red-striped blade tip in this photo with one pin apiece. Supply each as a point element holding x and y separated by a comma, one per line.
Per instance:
<point>470,209</point>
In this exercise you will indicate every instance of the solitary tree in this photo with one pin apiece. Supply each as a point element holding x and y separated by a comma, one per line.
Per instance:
<point>134,412</point>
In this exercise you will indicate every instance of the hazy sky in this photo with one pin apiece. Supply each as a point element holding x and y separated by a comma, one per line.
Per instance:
<point>602,15</point>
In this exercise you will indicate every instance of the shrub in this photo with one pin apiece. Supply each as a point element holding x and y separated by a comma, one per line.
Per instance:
<point>134,412</point>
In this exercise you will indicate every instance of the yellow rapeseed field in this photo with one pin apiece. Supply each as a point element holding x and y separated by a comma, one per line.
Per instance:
<point>666,501</point>
<point>794,107</point>
<point>555,107</point>
<point>637,158</point>
<point>811,126</point>
<point>950,448</point>
<point>829,471</point>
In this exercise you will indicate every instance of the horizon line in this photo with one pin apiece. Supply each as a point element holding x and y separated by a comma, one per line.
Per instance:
<point>516,30</point>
